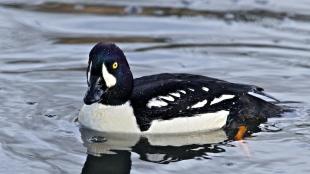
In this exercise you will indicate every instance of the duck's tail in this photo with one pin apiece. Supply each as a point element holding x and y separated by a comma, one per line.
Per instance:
<point>252,112</point>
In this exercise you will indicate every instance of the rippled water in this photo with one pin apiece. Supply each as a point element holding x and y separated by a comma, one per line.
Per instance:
<point>44,48</point>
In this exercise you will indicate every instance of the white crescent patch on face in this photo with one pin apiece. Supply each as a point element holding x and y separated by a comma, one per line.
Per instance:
<point>89,71</point>
<point>109,79</point>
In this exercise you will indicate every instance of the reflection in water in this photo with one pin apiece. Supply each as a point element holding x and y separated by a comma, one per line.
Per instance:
<point>111,153</point>
<point>167,154</point>
<point>118,162</point>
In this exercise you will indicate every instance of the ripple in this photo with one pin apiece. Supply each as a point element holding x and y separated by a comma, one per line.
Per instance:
<point>125,39</point>
<point>188,45</point>
<point>110,9</point>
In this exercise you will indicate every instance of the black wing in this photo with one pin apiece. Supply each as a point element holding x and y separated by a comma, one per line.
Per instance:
<point>190,90</point>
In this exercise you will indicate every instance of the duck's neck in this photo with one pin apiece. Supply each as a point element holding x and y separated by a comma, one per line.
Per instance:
<point>121,92</point>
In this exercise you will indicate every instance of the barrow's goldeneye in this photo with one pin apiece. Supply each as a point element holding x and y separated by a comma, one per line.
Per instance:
<point>164,103</point>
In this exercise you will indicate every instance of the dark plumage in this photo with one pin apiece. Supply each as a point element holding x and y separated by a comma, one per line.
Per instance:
<point>244,107</point>
<point>173,95</point>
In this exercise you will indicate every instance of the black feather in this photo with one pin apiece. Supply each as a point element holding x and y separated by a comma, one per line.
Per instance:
<point>149,87</point>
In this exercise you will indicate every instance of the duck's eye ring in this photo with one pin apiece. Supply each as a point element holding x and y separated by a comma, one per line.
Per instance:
<point>114,65</point>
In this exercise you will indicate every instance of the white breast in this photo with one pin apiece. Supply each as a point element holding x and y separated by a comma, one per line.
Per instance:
<point>107,118</point>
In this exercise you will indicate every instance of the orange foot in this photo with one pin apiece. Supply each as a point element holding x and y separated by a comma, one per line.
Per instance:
<point>241,133</point>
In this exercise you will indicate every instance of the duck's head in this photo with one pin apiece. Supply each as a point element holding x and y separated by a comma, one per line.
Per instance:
<point>108,74</point>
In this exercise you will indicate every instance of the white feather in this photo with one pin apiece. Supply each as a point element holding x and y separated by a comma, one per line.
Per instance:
<point>221,98</point>
<point>200,122</point>
<point>89,71</point>
<point>155,156</point>
<point>109,79</point>
<point>169,98</point>
<point>155,102</point>
<point>175,94</point>
<point>191,89</point>
<point>260,96</point>
<point>205,89</point>
<point>107,118</point>
<point>182,91</point>
<point>200,104</point>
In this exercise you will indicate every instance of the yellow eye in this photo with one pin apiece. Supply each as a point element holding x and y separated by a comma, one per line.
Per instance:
<point>115,65</point>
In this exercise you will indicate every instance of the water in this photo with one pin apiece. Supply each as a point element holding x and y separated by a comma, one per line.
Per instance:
<point>44,48</point>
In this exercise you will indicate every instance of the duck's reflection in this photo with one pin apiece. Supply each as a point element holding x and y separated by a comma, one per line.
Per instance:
<point>117,162</point>
<point>167,154</point>
<point>111,153</point>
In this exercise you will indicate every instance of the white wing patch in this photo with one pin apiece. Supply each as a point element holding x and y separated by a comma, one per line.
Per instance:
<point>169,98</point>
<point>155,102</point>
<point>175,94</point>
<point>200,104</point>
<point>191,89</point>
<point>182,91</point>
<point>221,98</point>
<point>158,102</point>
<point>109,79</point>
<point>205,89</point>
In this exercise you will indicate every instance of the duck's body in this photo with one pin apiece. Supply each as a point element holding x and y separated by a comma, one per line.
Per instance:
<point>164,103</point>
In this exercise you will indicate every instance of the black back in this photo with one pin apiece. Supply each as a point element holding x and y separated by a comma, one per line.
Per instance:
<point>148,87</point>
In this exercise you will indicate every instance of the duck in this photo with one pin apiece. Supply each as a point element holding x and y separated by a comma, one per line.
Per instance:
<point>166,103</point>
